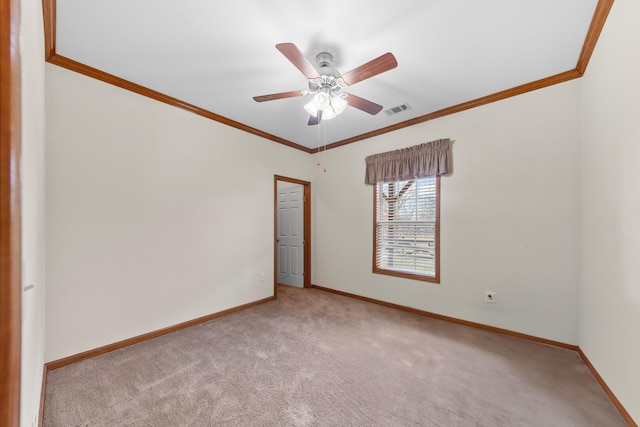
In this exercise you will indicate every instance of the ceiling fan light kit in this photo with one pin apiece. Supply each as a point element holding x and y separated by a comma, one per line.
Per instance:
<point>330,104</point>
<point>326,83</point>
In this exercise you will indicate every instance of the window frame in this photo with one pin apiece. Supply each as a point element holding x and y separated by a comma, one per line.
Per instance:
<point>406,275</point>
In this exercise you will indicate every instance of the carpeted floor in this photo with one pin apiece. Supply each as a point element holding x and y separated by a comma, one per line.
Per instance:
<point>312,358</point>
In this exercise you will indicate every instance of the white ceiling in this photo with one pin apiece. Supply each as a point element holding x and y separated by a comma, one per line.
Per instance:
<point>218,55</point>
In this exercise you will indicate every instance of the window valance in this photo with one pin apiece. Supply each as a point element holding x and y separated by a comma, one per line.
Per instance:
<point>430,158</point>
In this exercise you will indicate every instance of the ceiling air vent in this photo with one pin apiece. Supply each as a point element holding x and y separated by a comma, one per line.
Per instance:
<point>398,109</point>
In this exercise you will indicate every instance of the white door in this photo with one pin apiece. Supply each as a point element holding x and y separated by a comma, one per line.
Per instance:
<point>290,234</point>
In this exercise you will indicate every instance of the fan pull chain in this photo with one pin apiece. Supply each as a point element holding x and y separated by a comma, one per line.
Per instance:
<point>324,146</point>
<point>319,124</point>
<point>322,138</point>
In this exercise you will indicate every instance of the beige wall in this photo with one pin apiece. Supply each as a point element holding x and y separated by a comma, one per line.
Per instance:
<point>610,222</point>
<point>155,215</point>
<point>33,209</point>
<point>509,216</point>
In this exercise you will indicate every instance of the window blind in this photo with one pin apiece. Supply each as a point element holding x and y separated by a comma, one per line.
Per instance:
<point>406,226</point>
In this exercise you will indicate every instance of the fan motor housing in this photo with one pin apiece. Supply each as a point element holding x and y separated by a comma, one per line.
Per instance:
<point>333,83</point>
<point>324,59</point>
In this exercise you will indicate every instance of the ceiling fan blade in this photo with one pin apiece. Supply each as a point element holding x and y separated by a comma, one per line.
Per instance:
<point>372,68</point>
<point>363,104</point>
<point>314,120</point>
<point>280,95</point>
<point>296,57</point>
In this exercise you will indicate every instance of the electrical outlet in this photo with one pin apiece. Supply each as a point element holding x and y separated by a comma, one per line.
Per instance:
<point>261,277</point>
<point>490,297</point>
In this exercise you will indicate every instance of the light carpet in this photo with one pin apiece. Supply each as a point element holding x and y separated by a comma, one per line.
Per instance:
<point>313,358</point>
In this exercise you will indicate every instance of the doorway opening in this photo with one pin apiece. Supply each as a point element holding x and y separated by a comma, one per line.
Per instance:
<point>292,232</point>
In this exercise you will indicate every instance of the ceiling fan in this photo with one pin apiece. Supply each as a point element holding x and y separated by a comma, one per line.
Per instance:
<point>326,83</point>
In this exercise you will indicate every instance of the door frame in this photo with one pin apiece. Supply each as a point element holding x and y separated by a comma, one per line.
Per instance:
<point>306,232</point>
<point>10,214</point>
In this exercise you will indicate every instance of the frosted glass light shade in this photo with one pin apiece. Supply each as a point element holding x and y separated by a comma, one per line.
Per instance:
<point>322,100</point>
<point>311,108</point>
<point>339,104</point>
<point>331,105</point>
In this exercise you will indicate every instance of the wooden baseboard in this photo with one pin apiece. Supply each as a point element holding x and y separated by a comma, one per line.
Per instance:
<point>125,343</point>
<point>452,319</point>
<point>607,390</point>
<point>576,348</point>
<point>55,364</point>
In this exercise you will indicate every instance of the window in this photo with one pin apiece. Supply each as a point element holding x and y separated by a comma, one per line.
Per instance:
<point>406,218</point>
